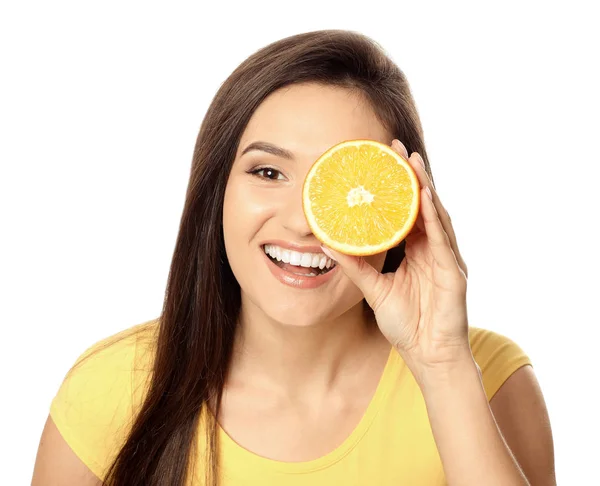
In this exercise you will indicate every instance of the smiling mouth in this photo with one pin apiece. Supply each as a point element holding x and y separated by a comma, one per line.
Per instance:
<point>298,269</point>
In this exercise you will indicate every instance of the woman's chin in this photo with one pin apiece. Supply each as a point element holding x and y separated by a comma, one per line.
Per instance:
<point>305,313</point>
<point>300,317</point>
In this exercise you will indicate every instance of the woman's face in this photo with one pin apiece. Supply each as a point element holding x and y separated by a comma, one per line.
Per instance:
<point>265,208</point>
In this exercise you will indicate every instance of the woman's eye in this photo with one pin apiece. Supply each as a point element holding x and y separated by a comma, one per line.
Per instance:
<point>268,173</point>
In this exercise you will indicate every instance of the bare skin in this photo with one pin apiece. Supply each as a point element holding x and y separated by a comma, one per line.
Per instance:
<point>283,425</point>
<point>56,463</point>
<point>306,363</point>
<point>302,347</point>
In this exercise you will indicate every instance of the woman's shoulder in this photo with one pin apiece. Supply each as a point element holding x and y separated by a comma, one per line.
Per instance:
<point>93,407</point>
<point>497,355</point>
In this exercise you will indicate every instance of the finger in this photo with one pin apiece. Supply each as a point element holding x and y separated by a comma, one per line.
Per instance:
<point>370,282</point>
<point>438,239</point>
<point>418,227</point>
<point>418,165</point>
<point>400,148</point>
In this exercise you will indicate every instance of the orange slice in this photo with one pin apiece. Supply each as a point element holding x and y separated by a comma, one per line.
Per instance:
<point>360,197</point>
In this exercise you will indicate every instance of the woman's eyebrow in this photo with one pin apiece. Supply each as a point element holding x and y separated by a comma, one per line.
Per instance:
<point>270,149</point>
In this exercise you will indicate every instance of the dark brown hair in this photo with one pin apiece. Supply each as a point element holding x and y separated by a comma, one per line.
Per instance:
<point>202,299</point>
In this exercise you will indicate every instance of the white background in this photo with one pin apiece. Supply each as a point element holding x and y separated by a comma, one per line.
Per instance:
<point>100,105</point>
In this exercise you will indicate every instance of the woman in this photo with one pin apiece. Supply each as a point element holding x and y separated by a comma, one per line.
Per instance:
<point>254,374</point>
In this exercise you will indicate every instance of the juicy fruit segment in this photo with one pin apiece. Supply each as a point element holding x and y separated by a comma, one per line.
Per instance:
<point>361,197</point>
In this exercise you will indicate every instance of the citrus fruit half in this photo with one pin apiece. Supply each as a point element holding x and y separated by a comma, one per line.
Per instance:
<point>361,197</point>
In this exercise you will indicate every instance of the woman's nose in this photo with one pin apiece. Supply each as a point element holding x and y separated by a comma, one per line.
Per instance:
<point>293,216</point>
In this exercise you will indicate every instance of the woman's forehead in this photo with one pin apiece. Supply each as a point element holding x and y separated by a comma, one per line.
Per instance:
<point>306,120</point>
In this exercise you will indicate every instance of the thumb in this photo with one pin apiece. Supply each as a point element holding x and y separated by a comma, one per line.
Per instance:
<point>371,283</point>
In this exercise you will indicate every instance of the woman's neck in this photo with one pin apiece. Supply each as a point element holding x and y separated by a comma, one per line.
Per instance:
<point>296,360</point>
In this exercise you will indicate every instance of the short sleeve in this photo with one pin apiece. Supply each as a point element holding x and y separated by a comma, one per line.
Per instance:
<point>498,357</point>
<point>92,408</point>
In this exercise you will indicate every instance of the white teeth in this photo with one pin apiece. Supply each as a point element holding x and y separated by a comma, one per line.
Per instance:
<point>295,258</point>
<point>323,262</point>
<point>306,260</point>
<point>314,260</point>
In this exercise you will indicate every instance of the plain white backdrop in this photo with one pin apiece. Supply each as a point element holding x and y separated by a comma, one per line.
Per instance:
<point>100,106</point>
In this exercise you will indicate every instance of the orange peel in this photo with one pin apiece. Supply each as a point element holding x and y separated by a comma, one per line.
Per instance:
<point>361,197</point>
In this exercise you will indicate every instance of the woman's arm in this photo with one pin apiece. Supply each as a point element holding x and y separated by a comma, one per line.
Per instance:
<point>471,446</point>
<point>421,310</point>
<point>520,412</point>
<point>56,463</point>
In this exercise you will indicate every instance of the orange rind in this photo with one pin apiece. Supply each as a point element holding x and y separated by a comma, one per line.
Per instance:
<point>361,197</point>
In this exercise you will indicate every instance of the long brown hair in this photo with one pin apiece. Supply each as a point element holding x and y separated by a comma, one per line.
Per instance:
<point>202,299</point>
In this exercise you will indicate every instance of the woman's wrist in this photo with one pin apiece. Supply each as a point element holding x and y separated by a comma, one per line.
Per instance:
<point>429,375</point>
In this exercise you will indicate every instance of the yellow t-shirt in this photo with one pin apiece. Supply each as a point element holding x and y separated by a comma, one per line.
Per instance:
<point>392,444</point>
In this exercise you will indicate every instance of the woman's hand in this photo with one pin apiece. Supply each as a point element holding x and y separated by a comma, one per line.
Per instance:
<point>421,308</point>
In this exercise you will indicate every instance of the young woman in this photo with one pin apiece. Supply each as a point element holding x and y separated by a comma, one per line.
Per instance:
<point>262,372</point>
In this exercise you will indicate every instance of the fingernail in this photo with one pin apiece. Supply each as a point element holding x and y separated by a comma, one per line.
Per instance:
<point>398,145</point>
<point>421,160</point>
<point>428,191</point>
